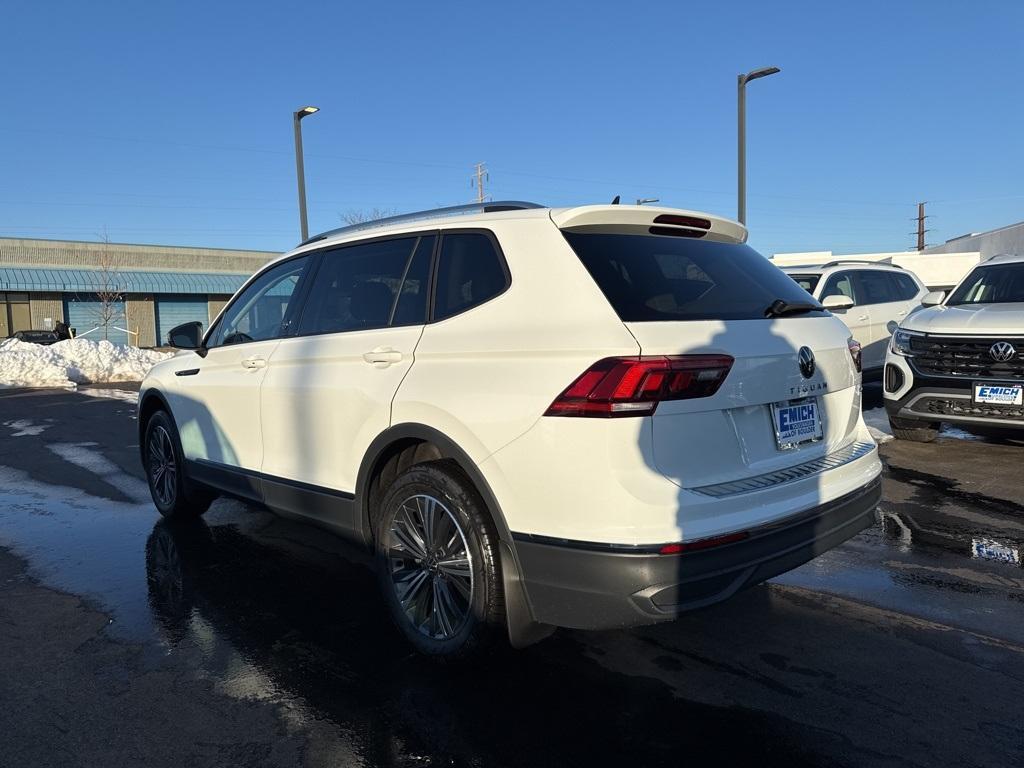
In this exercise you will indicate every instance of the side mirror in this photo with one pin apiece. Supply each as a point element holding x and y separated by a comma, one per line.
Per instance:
<point>837,301</point>
<point>186,335</point>
<point>933,299</point>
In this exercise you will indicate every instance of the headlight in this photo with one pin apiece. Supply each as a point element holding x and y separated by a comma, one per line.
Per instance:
<point>901,342</point>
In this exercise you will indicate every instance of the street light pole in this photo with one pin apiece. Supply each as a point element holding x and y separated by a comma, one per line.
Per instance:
<point>741,137</point>
<point>299,170</point>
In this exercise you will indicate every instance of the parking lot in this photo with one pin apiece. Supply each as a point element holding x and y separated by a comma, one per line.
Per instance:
<point>251,640</point>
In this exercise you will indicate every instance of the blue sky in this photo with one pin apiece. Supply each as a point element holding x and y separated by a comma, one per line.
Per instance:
<point>171,122</point>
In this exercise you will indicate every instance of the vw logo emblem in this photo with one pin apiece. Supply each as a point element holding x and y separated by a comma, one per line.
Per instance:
<point>1002,351</point>
<point>806,358</point>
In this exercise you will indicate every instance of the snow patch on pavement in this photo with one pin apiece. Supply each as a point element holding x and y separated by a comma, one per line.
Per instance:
<point>25,428</point>
<point>125,395</point>
<point>72,362</point>
<point>86,456</point>
<point>878,425</point>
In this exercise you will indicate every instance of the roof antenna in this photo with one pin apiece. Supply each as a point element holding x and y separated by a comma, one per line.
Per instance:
<point>616,200</point>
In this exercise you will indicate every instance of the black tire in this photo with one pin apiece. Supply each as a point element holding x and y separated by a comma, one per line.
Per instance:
<point>172,494</point>
<point>913,430</point>
<point>439,613</point>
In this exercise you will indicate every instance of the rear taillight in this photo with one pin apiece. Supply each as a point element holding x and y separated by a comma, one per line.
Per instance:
<point>854,347</point>
<point>633,386</point>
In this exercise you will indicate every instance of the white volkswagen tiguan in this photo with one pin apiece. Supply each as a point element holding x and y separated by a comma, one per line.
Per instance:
<point>585,417</point>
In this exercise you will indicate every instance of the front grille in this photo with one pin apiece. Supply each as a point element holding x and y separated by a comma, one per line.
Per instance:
<point>944,406</point>
<point>967,357</point>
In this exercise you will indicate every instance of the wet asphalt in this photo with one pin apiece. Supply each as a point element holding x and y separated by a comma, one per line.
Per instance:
<point>248,640</point>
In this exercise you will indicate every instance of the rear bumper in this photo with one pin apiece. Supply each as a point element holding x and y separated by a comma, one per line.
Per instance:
<point>593,586</point>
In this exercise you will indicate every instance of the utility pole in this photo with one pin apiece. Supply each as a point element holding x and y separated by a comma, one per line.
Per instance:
<point>477,181</point>
<point>300,172</point>
<point>920,226</point>
<point>741,137</point>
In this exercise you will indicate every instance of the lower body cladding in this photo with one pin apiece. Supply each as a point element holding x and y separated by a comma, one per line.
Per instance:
<point>593,586</point>
<point>910,395</point>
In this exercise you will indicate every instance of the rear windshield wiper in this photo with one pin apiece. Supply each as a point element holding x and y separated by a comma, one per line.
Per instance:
<point>781,308</point>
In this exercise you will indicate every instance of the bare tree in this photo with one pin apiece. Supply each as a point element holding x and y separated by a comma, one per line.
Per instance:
<point>108,291</point>
<point>361,216</point>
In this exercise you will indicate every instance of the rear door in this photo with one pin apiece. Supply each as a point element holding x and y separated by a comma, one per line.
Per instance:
<point>328,390</point>
<point>857,318</point>
<point>880,295</point>
<point>683,297</point>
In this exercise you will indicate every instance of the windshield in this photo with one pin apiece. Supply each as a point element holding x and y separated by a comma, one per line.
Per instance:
<point>652,277</point>
<point>807,282</point>
<point>996,284</point>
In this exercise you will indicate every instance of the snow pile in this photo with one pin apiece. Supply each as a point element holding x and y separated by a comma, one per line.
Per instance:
<point>71,362</point>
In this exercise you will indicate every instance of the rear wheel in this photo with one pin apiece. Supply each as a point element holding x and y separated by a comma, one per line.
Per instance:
<point>437,554</point>
<point>916,431</point>
<point>168,486</point>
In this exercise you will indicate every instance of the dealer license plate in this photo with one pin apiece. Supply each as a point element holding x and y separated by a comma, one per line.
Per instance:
<point>796,421</point>
<point>999,394</point>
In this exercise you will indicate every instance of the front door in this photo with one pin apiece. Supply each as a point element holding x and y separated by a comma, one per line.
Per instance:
<point>328,390</point>
<point>216,403</point>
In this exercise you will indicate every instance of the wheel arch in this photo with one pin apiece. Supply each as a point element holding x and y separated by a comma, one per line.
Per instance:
<point>150,401</point>
<point>523,630</point>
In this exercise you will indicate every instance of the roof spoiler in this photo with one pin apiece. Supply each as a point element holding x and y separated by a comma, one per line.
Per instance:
<point>648,220</point>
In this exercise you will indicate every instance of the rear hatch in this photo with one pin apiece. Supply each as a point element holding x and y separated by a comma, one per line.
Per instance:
<point>790,395</point>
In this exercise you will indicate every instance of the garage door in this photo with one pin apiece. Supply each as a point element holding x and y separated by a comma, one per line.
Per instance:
<point>175,310</point>
<point>91,320</point>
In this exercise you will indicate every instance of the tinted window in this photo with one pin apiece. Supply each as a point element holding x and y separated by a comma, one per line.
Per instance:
<point>839,284</point>
<point>412,301</point>
<point>263,310</point>
<point>907,287</point>
<point>670,278</point>
<point>996,284</point>
<point>469,272</point>
<point>355,287</point>
<point>807,282</point>
<point>876,287</point>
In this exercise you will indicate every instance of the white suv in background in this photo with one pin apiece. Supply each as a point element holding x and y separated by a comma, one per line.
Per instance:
<point>587,417</point>
<point>872,298</point>
<point>962,359</point>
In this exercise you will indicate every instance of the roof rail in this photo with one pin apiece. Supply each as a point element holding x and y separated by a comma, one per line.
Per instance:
<point>452,210</point>
<point>876,262</point>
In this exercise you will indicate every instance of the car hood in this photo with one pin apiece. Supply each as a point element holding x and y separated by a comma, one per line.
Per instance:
<point>1000,319</point>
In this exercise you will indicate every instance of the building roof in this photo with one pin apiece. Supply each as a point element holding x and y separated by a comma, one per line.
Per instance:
<point>121,281</point>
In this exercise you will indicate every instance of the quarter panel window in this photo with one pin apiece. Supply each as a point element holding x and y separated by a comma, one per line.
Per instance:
<point>907,287</point>
<point>469,272</point>
<point>356,286</point>
<point>264,310</point>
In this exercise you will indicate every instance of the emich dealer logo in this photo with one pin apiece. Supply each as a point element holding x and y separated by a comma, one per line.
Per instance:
<point>1002,351</point>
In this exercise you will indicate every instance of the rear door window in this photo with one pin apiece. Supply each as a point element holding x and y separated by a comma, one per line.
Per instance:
<point>356,286</point>
<point>876,287</point>
<point>470,271</point>
<point>413,300</point>
<point>906,287</point>
<point>650,277</point>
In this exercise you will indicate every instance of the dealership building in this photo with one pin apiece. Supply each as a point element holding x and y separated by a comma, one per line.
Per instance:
<point>125,293</point>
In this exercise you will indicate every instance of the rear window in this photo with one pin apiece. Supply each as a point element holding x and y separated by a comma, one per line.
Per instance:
<point>649,278</point>
<point>807,282</point>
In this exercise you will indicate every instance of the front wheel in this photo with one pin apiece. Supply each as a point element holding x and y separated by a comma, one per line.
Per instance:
<point>437,554</point>
<point>916,431</point>
<point>164,467</point>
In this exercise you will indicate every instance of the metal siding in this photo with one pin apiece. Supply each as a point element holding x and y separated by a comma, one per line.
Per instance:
<point>126,281</point>
<point>175,310</point>
<point>83,315</point>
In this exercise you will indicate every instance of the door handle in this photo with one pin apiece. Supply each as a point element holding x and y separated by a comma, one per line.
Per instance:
<point>901,314</point>
<point>383,356</point>
<point>254,362</point>
<point>863,318</point>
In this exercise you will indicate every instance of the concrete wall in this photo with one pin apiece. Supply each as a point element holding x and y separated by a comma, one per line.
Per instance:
<point>1005,240</point>
<point>73,254</point>
<point>141,315</point>
<point>215,304</point>
<point>45,305</point>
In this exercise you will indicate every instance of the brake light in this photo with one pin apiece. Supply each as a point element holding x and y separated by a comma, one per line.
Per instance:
<point>854,347</point>
<point>633,386</point>
<point>683,221</point>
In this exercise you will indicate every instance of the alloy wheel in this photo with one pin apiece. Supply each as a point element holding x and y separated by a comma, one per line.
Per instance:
<point>431,567</point>
<point>163,468</point>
